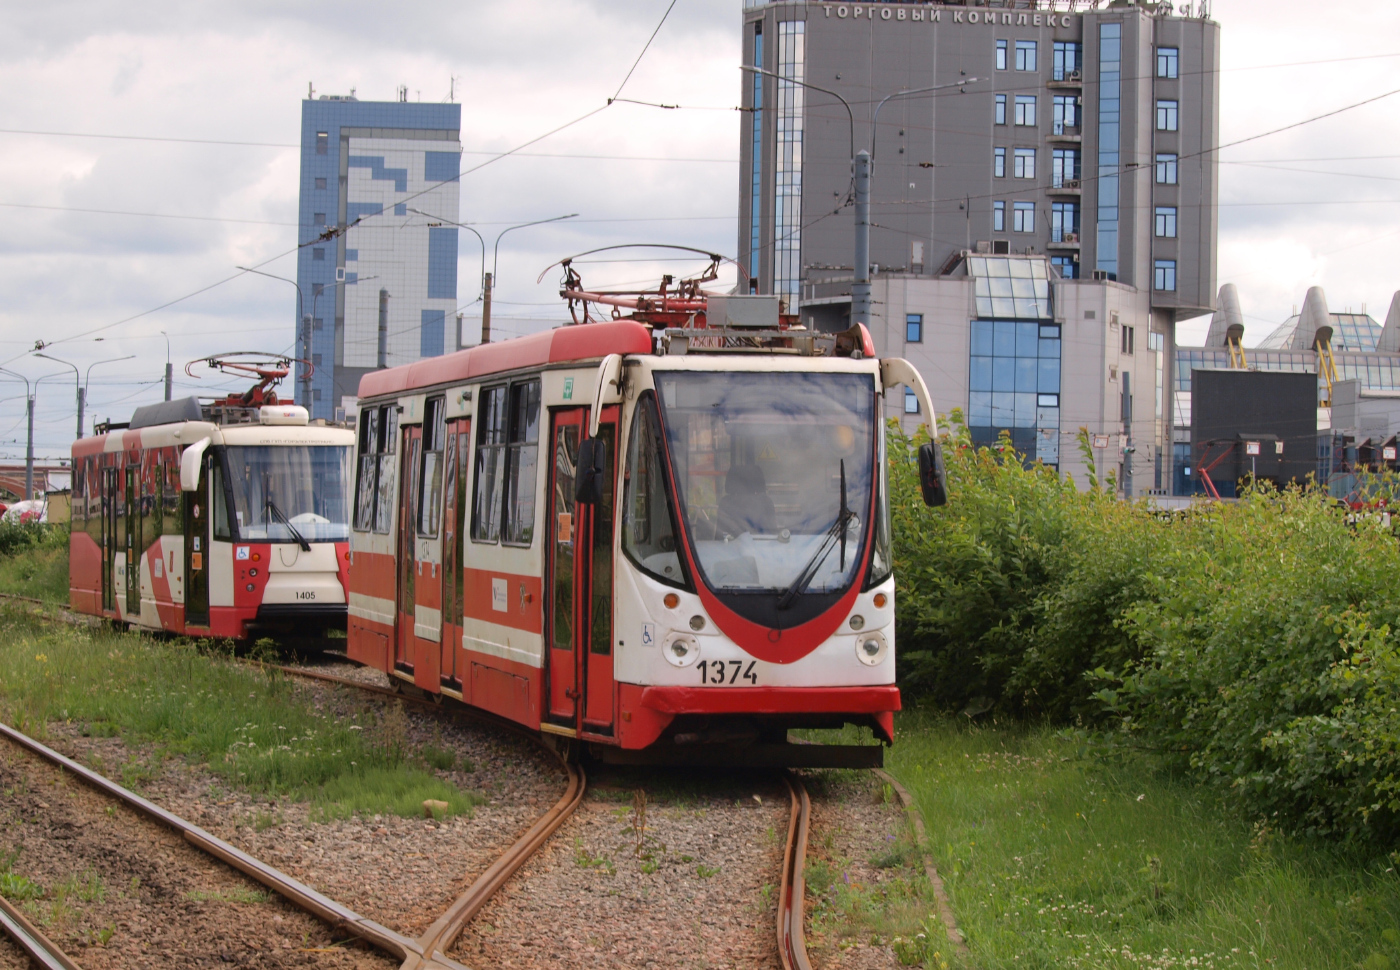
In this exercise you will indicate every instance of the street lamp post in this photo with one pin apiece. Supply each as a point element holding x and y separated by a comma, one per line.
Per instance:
<point>82,387</point>
<point>862,166</point>
<point>30,390</point>
<point>169,377</point>
<point>489,279</point>
<point>305,325</point>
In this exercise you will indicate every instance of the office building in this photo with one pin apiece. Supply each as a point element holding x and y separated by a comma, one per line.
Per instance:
<point>364,166</point>
<point>1036,232</point>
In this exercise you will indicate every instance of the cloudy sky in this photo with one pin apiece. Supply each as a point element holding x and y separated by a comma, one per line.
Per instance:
<point>95,232</point>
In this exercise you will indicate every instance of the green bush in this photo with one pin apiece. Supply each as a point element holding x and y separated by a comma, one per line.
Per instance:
<point>18,537</point>
<point>1250,643</point>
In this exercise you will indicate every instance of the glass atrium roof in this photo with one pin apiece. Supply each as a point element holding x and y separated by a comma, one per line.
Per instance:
<point>1011,287</point>
<point>1350,331</point>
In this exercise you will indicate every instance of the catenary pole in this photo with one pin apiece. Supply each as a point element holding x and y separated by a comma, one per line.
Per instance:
<point>383,359</point>
<point>860,286</point>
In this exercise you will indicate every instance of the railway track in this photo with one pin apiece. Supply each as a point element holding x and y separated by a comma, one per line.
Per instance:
<point>430,948</point>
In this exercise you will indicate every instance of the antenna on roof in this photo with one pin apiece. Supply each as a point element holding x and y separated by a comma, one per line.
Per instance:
<point>310,92</point>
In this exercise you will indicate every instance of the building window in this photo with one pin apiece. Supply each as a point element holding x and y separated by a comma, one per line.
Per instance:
<point>1023,163</point>
<point>320,183</point>
<point>1167,62</point>
<point>1166,169</point>
<point>1014,376</point>
<point>316,394</point>
<point>322,142</point>
<point>319,218</point>
<point>787,243</point>
<point>1001,109</point>
<point>1023,216</point>
<point>1064,167</point>
<point>317,289</point>
<point>317,324</point>
<point>914,328</point>
<point>1065,60</point>
<point>1166,221</point>
<point>999,162</point>
<point>1164,274</point>
<point>1166,115</point>
<point>1025,55</point>
<point>998,217</point>
<point>507,445</point>
<point>1001,55</point>
<point>1065,113</point>
<point>318,255</point>
<point>911,402</point>
<point>1064,221</point>
<point>1126,340</point>
<point>1025,110</point>
<point>1067,265</point>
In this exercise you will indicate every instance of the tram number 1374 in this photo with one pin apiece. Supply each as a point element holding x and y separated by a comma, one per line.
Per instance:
<point>714,672</point>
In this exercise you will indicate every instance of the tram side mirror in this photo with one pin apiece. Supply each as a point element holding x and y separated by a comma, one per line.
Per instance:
<point>592,469</point>
<point>932,475</point>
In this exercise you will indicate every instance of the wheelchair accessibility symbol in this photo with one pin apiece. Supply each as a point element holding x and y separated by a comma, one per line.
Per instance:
<point>648,634</point>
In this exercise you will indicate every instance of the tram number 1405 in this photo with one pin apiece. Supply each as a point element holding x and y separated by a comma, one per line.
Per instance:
<point>714,671</point>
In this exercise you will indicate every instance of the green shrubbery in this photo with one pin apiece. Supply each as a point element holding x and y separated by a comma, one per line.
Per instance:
<point>1250,643</point>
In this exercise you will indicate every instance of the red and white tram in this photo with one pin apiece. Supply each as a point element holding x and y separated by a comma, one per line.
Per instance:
<point>666,543</point>
<point>216,519</point>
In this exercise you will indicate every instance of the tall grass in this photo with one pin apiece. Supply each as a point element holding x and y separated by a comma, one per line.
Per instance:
<point>1055,858</point>
<point>34,560</point>
<point>251,727</point>
<point>1251,644</point>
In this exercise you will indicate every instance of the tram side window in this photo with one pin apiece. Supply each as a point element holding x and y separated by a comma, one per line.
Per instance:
<point>218,500</point>
<point>170,500</point>
<point>648,531</point>
<point>374,485</point>
<point>507,458</point>
<point>430,480</point>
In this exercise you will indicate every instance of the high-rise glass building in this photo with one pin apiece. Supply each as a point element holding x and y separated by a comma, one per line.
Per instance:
<point>1036,232</point>
<point>364,166</point>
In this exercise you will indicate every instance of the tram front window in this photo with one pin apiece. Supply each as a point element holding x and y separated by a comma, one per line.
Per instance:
<point>774,474</point>
<point>281,492</point>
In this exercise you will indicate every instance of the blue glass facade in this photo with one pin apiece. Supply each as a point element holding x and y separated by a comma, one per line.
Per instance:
<point>324,191</point>
<point>1110,106</point>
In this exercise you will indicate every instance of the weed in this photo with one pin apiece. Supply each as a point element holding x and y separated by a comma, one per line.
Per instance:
<point>584,860</point>
<point>18,887</point>
<point>103,936</point>
<point>650,865</point>
<point>87,887</point>
<point>705,872</point>
<point>393,731</point>
<point>443,759</point>
<point>400,791</point>
<point>262,821</point>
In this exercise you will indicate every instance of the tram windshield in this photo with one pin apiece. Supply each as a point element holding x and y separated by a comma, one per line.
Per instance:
<point>773,474</point>
<point>281,492</point>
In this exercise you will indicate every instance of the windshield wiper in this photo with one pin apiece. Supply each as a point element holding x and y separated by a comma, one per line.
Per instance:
<point>838,529</point>
<point>301,540</point>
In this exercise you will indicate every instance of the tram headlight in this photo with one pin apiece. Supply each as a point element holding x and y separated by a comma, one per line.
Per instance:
<point>857,622</point>
<point>871,649</point>
<point>681,651</point>
<point>697,622</point>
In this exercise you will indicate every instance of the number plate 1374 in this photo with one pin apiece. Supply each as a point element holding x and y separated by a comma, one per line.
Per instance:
<point>718,672</point>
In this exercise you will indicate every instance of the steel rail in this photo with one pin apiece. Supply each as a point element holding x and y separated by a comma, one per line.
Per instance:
<point>440,936</point>
<point>40,948</point>
<point>792,942</point>
<point>298,893</point>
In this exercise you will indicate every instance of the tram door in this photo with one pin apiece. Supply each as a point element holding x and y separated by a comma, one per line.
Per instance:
<point>580,577</point>
<point>133,540</point>
<point>598,598</point>
<point>563,580</point>
<point>110,498</point>
<point>407,557</point>
<point>454,485</point>
<point>197,549</point>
